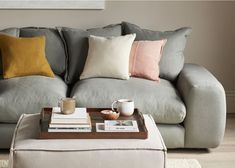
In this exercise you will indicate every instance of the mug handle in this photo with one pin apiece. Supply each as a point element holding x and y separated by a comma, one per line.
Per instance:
<point>113,105</point>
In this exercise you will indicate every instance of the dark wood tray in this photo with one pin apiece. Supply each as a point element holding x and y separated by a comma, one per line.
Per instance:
<point>95,118</point>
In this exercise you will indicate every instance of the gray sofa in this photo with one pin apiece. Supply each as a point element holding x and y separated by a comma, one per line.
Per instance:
<point>188,104</point>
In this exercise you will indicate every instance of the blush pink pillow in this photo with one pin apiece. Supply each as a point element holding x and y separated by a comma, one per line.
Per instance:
<point>144,59</point>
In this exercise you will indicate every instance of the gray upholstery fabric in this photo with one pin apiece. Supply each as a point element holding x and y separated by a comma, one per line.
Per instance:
<point>84,153</point>
<point>173,135</point>
<point>6,134</point>
<point>55,50</point>
<point>172,60</point>
<point>161,100</point>
<point>206,107</point>
<point>28,95</point>
<point>10,31</point>
<point>77,46</point>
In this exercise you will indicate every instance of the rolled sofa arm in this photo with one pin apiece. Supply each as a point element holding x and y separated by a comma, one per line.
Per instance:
<point>204,97</point>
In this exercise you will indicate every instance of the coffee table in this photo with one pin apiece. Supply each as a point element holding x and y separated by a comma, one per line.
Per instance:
<point>28,151</point>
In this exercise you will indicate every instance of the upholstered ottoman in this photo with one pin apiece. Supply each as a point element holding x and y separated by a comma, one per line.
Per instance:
<point>29,152</point>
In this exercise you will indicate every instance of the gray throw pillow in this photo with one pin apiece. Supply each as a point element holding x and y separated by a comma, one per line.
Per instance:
<point>55,50</point>
<point>10,31</point>
<point>172,60</point>
<point>76,41</point>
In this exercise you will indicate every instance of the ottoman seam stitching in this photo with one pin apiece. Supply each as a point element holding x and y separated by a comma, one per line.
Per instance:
<point>16,132</point>
<point>87,150</point>
<point>163,144</point>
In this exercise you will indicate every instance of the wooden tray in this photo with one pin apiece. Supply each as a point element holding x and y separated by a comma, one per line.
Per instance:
<point>95,118</point>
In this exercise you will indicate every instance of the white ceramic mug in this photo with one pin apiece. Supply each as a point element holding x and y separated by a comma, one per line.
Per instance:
<point>67,105</point>
<point>124,106</point>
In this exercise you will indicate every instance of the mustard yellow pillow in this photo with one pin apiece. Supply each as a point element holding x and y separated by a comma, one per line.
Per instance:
<point>24,56</point>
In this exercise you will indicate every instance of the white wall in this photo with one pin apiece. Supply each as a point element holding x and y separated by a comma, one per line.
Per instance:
<point>211,44</point>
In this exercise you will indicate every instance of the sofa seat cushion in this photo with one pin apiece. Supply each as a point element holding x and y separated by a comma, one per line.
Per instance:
<point>160,99</point>
<point>28,95</point>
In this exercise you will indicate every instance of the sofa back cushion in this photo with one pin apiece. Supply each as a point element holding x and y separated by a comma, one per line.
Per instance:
<point>10,31</point>
<point>77,47</point>
<point>172,60</point>
<point>55,50</point>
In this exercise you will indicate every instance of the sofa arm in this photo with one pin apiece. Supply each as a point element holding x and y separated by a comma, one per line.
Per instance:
<point>205,102</point>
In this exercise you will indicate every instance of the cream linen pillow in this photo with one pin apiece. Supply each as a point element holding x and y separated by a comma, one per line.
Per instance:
<point>108,57</point>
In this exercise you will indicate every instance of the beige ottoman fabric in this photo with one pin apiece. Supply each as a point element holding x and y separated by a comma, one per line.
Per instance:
<point>29,152</point>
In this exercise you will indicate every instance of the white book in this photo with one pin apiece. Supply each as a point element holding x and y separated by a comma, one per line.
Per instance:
<point>69,126</point>
<point>79,116</point>
<point>123,125</point>
<point>78,113</point>
<point>68,130</point>
<point>100,128</point>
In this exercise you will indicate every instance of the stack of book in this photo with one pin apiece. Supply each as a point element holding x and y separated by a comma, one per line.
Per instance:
<point>117,126</point>
<point>79,121</point>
